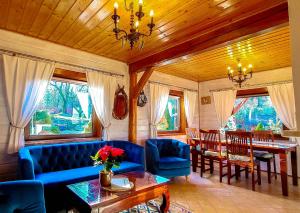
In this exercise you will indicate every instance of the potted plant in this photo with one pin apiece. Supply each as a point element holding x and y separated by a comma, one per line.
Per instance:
<point>109,157</point>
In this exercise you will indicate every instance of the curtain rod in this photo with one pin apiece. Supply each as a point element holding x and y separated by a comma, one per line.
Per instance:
<point>164,84</point>
<point>249,86</point>
<point>13,53</point>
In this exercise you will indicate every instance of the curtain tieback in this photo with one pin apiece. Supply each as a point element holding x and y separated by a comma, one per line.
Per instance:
<point>106,127</point>
<point>154,126</point>
<point>17,127</point>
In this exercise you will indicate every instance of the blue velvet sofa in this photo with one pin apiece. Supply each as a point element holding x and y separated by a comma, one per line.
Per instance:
<point>168,157</point>
<point>60,164</point>
<point>25,196</point>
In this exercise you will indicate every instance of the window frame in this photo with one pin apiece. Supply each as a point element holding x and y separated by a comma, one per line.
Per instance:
<point>182,123</point>
<point>72,77</point>
<point>257,92</point>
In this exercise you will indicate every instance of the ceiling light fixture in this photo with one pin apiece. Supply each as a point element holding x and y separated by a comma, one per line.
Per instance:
<point>134,36</point>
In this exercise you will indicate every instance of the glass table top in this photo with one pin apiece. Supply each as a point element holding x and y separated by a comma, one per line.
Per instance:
<point>92,193</point>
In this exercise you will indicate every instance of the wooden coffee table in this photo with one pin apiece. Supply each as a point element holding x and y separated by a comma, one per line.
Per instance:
<point>88,196</point>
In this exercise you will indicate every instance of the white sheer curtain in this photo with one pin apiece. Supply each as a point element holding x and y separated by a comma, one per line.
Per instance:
<point>25,83</point>
<point>224,103</point>
<point>102,90</point>
<point>190,99</point>
<point>158,102</point>
<point>283,100</point>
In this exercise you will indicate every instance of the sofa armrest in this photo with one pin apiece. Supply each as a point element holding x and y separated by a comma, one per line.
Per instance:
<point>23,196</point>
<point>184,151</point>
<point>136,154</point>
<point>152,156</point>
<point>26,167</point>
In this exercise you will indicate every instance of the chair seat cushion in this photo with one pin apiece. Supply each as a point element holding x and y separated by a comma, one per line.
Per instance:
<point>214,154</point>
<point>173,163</point>
<point>239,158</point>
<point>263,155</point>
<point>82,174</point>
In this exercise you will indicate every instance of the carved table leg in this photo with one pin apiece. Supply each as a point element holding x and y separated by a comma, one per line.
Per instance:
<point>294,167</point>
<point>194,160</point>
<point>166,202</point>
<point>283,173</point>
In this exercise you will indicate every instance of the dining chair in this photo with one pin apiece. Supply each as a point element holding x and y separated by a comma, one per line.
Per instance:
<point>190,134</point>
<point>239,151</point>
<point>211,147</point>
<point>265,136</point>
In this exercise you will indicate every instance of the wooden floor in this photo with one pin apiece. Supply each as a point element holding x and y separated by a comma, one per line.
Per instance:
<point>207,195</point>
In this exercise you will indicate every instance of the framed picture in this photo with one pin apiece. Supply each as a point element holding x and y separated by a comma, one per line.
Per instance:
<point>205,100</point>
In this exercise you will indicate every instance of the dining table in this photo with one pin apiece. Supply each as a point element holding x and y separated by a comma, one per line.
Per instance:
<point>280,147</point>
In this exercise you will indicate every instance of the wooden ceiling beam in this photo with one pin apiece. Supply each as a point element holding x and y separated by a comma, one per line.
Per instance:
<point>269,18</point>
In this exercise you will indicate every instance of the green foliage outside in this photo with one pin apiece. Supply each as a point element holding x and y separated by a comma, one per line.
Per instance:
<point>257,113</point>
<point>42,117</point>
<point>61,111</point>
<point>170,120</point>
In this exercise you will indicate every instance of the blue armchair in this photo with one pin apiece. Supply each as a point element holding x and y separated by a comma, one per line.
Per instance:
<point>26,196</point>
<point>167,157</point>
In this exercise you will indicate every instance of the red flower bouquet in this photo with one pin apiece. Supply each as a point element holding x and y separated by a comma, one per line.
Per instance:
<point>109,157</point>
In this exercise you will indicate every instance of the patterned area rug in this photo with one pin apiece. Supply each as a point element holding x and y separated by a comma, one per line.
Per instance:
<point>153,207</point>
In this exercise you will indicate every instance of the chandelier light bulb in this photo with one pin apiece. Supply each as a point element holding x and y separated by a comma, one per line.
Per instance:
<point>229,68</point>
<point>137,24</point>
<point>151,13</point>
<point>239,65</point>
<point>245,69</point>
<point>116,5</point>
<point>250,66</point>
<point>140,2</point>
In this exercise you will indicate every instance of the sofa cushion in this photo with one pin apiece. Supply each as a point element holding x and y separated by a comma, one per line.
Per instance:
<point>81,174</point>
<point>173,163</point>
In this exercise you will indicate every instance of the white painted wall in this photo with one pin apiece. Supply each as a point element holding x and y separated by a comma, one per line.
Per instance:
<point>143,131</point>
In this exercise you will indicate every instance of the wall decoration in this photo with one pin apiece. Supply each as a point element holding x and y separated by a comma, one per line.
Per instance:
<point>142,99</point>
<point>205,100</point>
<point>120,109</point>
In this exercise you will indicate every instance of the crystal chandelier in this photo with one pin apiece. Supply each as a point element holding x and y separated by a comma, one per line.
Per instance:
<point>243,73</point>
<point>134,36</point>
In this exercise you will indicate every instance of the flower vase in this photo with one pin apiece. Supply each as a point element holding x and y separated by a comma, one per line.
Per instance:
<point>105,178</point>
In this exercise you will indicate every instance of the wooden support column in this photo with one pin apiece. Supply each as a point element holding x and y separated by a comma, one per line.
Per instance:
<point>134,91</point>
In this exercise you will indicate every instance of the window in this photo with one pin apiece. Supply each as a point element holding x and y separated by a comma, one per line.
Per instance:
<point>173,119</point>
<point>254,113</point>
<point>65,111</point>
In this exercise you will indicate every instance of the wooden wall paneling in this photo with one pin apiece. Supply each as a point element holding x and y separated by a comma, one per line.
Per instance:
<point>4,9</point>
<point>15,14</point>
<point>265,19</point>
<point>55,18</point>
<point>72,15</point>
<point>48,17</point>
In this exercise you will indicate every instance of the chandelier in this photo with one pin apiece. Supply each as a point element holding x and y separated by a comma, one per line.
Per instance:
<point>134,36</point>
<point>243,73</point>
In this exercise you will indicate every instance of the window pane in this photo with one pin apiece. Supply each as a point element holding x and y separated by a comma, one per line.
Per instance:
<point>65,109</point>
<point>171,119</point>
<point>257,113</point>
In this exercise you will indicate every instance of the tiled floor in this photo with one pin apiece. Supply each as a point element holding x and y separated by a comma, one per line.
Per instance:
<point>207,195</point>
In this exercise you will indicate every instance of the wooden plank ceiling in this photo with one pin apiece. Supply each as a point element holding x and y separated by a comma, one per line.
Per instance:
<point>87,24</point>
<point>265,52</point>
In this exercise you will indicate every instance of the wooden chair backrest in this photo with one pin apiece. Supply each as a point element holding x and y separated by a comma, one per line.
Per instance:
<point>239,143</point>
<point>211,140</point>
<point>191,133</point>
<point>264,135</point>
